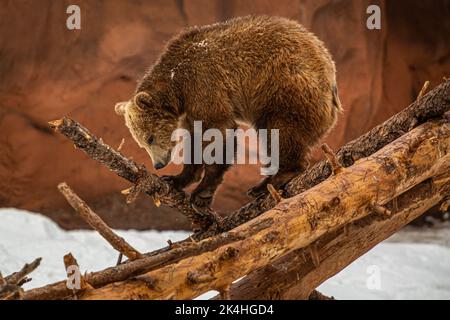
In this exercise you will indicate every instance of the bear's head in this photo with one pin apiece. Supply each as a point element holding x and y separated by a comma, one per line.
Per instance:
<point>151,124</point>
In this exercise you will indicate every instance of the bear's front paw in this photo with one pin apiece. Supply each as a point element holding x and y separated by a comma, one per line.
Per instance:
<point>201,200</point>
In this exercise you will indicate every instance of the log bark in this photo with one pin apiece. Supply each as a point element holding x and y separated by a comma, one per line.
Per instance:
<point>299,221</point>
<point>295,275</point>
<point>316,295</point>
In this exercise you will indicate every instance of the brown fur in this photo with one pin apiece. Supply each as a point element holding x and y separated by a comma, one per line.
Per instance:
<point>268,72</point>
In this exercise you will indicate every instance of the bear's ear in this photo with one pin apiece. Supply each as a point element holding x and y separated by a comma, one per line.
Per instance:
<point>142,100</point>
<point>120,108</point>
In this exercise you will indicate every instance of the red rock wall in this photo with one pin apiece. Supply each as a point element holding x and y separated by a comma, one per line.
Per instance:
<point>47,71</point>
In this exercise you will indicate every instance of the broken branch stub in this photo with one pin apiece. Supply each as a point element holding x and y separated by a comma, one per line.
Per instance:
<point>71,265</point>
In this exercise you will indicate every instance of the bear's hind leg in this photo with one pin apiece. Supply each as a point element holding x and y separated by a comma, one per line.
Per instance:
<point>293,148</point>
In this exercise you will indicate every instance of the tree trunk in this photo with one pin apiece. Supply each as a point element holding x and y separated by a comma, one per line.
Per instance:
<point>295,275</point>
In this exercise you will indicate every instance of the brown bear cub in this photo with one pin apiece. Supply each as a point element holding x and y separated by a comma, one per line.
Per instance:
<point>267,72</point>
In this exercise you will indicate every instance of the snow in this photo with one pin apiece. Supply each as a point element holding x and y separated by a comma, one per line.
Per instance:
<point>399,268</point>
<point>24,236</point>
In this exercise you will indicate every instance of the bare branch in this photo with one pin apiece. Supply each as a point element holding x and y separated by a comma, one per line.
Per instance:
<point>97,223</point>
<point>128,169</point>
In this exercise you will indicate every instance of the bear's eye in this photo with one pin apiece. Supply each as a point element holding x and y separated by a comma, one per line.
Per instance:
<point>151,139</point>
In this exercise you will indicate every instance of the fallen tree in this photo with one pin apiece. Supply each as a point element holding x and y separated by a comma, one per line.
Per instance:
<point>432,105</point>
<point>296,275</point>
<point>298,221</point>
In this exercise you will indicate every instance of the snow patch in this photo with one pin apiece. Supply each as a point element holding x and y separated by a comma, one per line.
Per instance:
<point>405,271</point>
<point>24,236</point>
